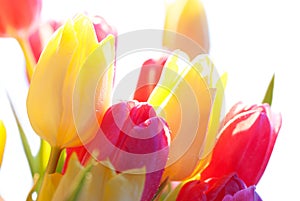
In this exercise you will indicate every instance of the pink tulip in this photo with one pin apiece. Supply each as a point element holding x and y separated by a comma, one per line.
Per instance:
<point>245,144</point>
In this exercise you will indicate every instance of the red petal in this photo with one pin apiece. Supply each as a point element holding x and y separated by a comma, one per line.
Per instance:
<point>149,77</point>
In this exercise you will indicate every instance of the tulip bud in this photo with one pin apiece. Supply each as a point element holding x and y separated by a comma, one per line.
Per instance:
<point>18,17</point>
<point>131,136</point>
<point>187,18</point>
<point>245,144</point>
<point>149,77</point>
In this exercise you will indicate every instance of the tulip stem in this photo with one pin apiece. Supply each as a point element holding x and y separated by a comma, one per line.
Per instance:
<point>53,160</point>
<point>28,55</point>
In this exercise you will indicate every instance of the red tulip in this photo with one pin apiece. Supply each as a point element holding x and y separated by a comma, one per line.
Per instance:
<point>18,16</point>
<point>245,144</point>
<point>148,79</point>
<point>229,187</point>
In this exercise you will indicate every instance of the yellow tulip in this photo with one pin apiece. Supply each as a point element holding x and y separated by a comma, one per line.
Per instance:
<point>71,86</point>
<point>187,18</point>
<point>2,140</point>
<point>185,96</point>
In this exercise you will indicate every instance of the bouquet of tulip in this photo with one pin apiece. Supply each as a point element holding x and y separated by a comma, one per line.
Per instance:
<point>168,141</point>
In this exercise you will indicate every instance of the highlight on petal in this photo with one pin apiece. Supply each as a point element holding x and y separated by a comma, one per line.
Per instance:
<point>2,140</point>
<point>183,99</point>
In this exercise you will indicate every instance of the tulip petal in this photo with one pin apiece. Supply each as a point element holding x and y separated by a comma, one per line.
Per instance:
<point>148,78</point>
<point>44,96</point>
<point>92,92</point>
<point>184,100</point>
<point>2,140</point>
<point>50,184</point>
<point>130,185</point>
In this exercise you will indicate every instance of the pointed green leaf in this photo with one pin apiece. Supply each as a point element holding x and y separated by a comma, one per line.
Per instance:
<point>31,160</point>
<point>269,93</point>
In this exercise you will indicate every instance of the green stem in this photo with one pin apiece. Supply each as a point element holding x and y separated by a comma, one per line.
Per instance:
<point>28,55</point>
<point>53,160</point>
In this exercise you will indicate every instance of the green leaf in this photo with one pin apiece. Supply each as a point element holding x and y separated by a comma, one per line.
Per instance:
<point>269,93</point>
<point>31,160</point>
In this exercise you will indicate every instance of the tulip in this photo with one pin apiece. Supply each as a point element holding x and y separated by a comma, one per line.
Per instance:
<point>18,17</point>
<point>149,77</point>
<point>71,86</point>
<point>132,136</point>
<point>186,27</point>
<point>2,140</point>
<point>183,98</point>
<point>226,188</point>
<point>245,144</point>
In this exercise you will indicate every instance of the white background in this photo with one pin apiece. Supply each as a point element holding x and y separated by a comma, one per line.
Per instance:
<point>250,40</point>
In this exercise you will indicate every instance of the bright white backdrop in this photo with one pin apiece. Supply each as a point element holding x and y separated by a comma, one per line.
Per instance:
<point>250,40</point>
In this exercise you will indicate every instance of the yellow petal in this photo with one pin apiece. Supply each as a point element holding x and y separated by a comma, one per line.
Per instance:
<point>69,181</point>
<point>50,184</point>
<point>2,140</point>
<point>186,111</point>
<point>126,186</point>
<point>87,43</point>
<point>186,17</point>
<point>44,101</point>
<point>92,92</point>
<point>99,183</point>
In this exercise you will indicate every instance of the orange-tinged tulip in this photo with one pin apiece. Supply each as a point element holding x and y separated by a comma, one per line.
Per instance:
<point>72,81</point>
<point>187,18</point>
<point>18,16</point>
<point>183,98</point>
<point>2,140</point>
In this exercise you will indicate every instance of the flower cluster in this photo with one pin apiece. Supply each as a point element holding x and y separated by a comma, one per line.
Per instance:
<point>169,141</point>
